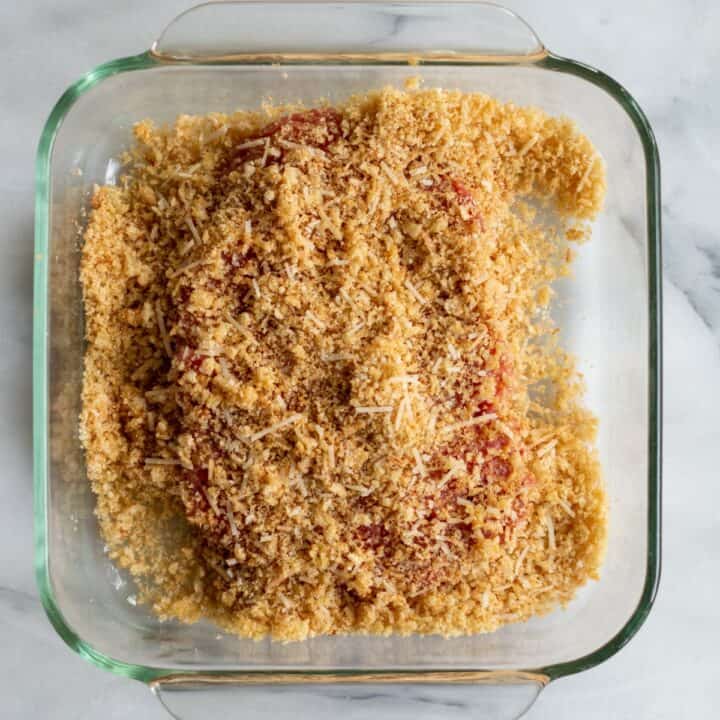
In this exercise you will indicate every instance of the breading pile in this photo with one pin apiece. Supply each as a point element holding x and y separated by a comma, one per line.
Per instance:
<point>323,393</point>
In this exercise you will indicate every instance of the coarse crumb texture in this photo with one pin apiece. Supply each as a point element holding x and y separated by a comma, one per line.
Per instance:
<point>323,393</point>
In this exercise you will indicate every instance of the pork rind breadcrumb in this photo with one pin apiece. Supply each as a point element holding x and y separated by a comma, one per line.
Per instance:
<point>323,393</point>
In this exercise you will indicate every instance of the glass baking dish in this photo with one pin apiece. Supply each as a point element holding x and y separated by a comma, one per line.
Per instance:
<point>221,57</point>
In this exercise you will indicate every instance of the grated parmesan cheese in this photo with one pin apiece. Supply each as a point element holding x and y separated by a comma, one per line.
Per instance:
<point>528,145</point>
<point>402,407</point>
<point>266,151</point>
<point>391,175</point>
<point>231,522</point>
<point>372,409</point>
<point>414,292</point>
<point>586,174</point>
<point>185,268</point>
<point>257,142</point>
<point>566,507</point>
<point>419,464</point>
<point>506,430</point>
<point>336,357</point>
<point>163,331</point>
<point>161,461</point>
<point>520,560</point>
<point>545,449</point>
<point>550,532</point>
<point>211,501</point>
<point>196,235</point>
<point>274,428</point>
<point>316,320</point>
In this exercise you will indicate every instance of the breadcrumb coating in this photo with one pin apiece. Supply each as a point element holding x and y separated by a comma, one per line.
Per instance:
<point>323,392</point>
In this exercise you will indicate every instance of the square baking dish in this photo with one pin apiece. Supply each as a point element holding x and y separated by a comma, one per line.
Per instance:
<point>228,56</point>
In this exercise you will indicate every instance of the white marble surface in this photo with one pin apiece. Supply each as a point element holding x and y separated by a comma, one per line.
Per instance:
<point>666,54</point>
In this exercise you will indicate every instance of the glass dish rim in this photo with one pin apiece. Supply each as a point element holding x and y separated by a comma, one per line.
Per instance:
<point>147,60</point>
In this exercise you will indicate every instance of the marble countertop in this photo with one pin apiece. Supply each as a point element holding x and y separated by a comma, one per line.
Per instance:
<point>666,54</point>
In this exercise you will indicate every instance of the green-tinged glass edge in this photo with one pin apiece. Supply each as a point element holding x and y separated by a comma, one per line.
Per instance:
<point>654,287</point>
<point>40,360</point>
<point>146,674</point>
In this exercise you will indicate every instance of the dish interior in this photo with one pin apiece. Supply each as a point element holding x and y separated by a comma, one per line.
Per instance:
<point>602,312</point>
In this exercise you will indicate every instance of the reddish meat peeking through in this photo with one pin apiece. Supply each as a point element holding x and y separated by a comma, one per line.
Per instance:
<point>190,359</point>
<point>464,200</point>
<point>487,456</point>
<point>373,536</point>
<point>318,128</point>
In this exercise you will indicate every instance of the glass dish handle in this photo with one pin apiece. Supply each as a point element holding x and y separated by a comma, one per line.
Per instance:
<point>277,31</point>
<point>488,696</point>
